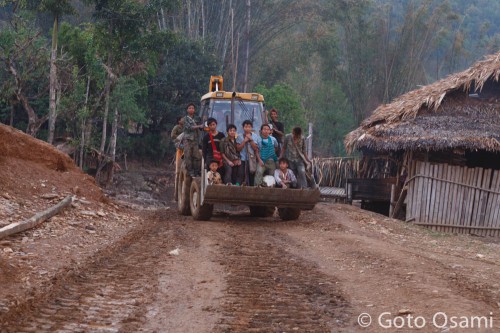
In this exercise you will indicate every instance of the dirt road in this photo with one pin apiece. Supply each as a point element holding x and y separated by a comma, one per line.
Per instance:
<point>238,274</point>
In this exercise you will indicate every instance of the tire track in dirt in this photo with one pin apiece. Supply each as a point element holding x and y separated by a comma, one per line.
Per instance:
<point>108,295</point>
<point>461,282</point>
<point>271,290</point>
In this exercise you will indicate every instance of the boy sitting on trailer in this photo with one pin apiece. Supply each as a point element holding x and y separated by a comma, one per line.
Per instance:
<point>285,178</point>
<point>213,177</point>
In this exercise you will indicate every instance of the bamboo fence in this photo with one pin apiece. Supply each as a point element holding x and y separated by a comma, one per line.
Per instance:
<point>454,198</point>
<point>334,171</point>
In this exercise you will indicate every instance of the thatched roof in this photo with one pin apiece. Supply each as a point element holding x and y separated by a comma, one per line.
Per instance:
<point>439,116</point>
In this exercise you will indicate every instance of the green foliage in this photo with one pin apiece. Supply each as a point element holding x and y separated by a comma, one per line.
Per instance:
<point>332,118</point>
<point>55,7</point>
<point>149,145</point>
<point>181,77</point>
<point>119,30</point>
<point>128,97</point>
<point>288,103</point>
<point>23,52</point>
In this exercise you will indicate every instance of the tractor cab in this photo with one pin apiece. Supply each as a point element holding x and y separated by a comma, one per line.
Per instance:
<point>231,107</point>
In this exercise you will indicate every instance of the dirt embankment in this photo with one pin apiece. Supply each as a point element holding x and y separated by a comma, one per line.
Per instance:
<point>31,170</point>
<point>33,177</point>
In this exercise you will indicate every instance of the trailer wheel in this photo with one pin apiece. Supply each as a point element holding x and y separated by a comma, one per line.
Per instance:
<point>183,193</point>
<point>288,214</point>
<point>200,212</point>
<point>261,211</point>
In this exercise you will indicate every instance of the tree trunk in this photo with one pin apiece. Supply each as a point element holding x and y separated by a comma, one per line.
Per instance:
<point>247,53</point>
<point>189,19</point>
<point>112,144</point>
<point>34,123</point>
<point>107,89</point>
<point>114,133</point>
<point>159,23</point>
<point>84,126</point>
<point>53,82</point>
<point>12,108</point>
<point>163,19</point>
<point>202,21</point>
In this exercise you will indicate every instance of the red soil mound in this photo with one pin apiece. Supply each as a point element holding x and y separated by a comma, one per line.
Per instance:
<point>30,167</point>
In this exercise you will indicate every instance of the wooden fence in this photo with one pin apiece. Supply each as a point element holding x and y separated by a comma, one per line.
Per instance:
<point>334,171</point>
<point>454,199</point>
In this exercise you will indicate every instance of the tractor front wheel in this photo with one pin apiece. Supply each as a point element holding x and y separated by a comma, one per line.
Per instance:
<point>198,211</point>
<point>183,187</point>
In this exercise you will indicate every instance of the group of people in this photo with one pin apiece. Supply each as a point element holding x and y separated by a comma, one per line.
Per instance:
<point>245,159</point>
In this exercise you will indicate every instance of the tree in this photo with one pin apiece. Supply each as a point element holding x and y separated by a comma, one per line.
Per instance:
<point>288,103</point>
<point>23,55</point>
<point>56,8</point>
<point>82,81</point>
<point>119,29</point>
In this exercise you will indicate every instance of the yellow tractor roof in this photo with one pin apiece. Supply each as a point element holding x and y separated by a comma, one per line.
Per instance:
<point>228,95</point>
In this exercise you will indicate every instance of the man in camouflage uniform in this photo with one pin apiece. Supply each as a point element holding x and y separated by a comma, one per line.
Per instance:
<point>294,150</point>
<point>190,141</point>
<point>178,129</point>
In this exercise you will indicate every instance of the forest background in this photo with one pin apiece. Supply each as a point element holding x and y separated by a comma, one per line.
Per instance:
<point>111,76</point>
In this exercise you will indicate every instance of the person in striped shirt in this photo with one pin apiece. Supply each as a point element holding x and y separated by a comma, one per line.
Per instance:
<point>267,158</point>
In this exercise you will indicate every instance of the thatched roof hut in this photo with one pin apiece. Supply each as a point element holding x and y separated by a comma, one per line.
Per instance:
<point>460,112</point>
<point>444,139</point>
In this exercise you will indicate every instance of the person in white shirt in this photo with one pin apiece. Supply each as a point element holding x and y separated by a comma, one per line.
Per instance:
<point>285,178</point>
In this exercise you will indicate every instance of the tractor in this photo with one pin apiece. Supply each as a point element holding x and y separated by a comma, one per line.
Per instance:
<point>196,198</point>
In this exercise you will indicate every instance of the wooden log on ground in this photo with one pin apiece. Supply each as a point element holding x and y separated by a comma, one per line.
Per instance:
<point>35,220</point>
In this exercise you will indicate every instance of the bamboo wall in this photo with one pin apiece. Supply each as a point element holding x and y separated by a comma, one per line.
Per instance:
<point>454,199</point>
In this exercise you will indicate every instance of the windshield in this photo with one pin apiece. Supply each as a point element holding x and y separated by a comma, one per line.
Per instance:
<point>243,110</point>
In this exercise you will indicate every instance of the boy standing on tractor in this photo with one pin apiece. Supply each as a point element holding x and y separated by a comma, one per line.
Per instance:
<point>268,146</point>
<point>248,150</point>
<point>190,140</point>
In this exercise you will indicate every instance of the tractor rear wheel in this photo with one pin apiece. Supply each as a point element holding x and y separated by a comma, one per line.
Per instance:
<point>198,211</point>
<point>289,214</point>
<point>183,188</point>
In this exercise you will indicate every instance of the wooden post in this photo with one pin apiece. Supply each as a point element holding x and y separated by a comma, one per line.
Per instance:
<point>391,203</point>
<point>309,142</point>
<point>400,202</point>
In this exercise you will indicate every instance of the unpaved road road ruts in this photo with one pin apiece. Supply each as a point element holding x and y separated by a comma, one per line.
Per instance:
<point>239,274</point>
